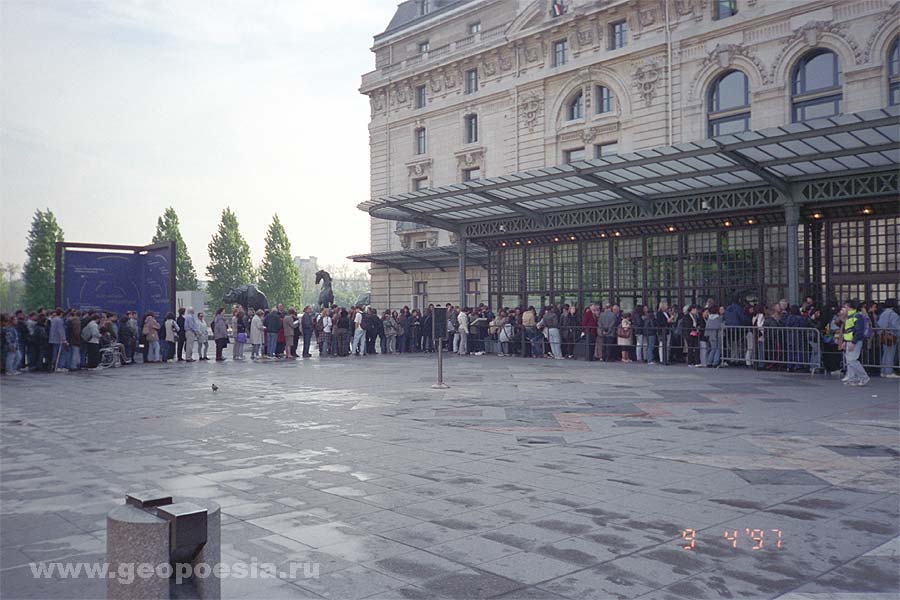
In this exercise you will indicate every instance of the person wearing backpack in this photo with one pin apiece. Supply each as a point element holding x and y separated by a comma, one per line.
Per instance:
<point>857,329</point>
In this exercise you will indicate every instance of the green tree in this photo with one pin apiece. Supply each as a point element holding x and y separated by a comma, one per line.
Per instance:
<point>41,264</point>
<point>11,288</point>
<point>279,277</point>
<point>167,231</point>
<point>229,259</point>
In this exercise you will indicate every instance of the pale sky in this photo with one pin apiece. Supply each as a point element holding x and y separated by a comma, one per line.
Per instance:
<point>111,111</point>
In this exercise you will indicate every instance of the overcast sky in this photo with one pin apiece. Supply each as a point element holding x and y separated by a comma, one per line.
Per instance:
<point>111,111</point>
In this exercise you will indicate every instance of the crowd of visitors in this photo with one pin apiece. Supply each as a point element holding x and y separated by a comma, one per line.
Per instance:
<point>780,337</point>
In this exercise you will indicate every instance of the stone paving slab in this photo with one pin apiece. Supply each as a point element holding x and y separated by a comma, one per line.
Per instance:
<point>525,479</point>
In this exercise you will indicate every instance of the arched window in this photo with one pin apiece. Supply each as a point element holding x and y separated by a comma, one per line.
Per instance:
<point>816,86</point>
<point>729,104</point>
<point>575,108</point>
<point>894,73</point>
<point>606,100</point>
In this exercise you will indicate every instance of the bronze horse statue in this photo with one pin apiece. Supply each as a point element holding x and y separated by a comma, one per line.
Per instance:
<point>326,296</point>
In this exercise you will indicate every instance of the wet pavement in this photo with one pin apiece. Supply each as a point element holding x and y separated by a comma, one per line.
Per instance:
<point>526,479</point>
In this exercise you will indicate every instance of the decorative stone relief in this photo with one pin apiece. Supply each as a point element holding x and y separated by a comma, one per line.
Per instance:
<point>405,242</point>
<point>467,159</point>
<point>432,239</point>
<point>488,68</point>
<point>419,168</point>
<point>888,20</point>
<point>435,83</point>
<point>588,135</point>
<point>506,61</point>
<point>584,38</point>
<point>451,78</point>
<point>646,77</point>
<point>376,101</point>
<point>724,54</point>
<point>401,96</point>
<point>811,34</point>
<point>646,15</point>
<point>531,106</point>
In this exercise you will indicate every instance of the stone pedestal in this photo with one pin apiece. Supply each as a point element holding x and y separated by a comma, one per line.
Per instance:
<point>134,538</point>
<point>137,543</point>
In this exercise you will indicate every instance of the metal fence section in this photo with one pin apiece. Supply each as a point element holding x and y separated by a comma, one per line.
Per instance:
<point>773,348</point>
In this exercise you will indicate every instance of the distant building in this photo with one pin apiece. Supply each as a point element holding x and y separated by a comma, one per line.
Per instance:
<point>634,150</point>
<point>308,268</point>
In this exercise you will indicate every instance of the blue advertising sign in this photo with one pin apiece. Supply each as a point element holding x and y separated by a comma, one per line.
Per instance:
<point>117,282</point>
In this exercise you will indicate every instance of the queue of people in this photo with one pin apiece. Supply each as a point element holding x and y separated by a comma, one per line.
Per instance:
<point>841,339</point>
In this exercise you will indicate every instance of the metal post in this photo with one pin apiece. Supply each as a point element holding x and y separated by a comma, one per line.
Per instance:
<point>792,220</point>
<point>461,245</point>
<point>438,333</point>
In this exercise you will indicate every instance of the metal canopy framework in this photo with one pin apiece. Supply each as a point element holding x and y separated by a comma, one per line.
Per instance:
<point>772,159</point>
<point>424,258</point>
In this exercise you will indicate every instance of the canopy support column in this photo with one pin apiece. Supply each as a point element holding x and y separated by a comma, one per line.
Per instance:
<point>792,220</point>
<point>461,244</point>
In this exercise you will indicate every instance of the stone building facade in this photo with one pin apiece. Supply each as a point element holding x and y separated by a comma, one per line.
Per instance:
<point>467,89</point>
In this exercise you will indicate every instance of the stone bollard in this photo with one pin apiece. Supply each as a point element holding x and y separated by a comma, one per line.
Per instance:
<point>147,538</point>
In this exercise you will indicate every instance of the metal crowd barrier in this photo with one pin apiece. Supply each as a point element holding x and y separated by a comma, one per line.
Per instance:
<point>773,348</point>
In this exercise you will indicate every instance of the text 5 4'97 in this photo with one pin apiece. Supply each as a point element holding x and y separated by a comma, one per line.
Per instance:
<point>756,538</point>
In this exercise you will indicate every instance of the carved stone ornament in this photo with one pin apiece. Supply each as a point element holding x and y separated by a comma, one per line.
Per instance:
<point>376,101</point>
<point>646,77</point>
<point>436,83</point>
<point>588,135</point>
<point>470,158</point>
<point>405,242</point>
<point>585,38</point>
<point>432,239</point>
<point>489,68</point>
<point>684,8</point>
<point>530,108</point>
<point>451,78</point>
<point>724,54</point>
<point>811,34</point>
<point>401,96</point>
<point>506,61</point>
<point>888,20</point>
<point>419,168</point>
<point>532,54</point>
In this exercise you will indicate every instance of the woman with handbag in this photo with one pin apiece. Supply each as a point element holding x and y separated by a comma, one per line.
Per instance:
<point>239,326</point>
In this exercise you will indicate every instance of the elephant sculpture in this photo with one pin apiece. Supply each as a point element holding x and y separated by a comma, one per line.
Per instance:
<point>247,296</point>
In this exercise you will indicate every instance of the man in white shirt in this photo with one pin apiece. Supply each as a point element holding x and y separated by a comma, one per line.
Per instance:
<point>359,333</point>
<point>463,331</point>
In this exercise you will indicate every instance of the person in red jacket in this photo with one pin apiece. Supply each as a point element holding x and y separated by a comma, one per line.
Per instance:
<point>589,327</point>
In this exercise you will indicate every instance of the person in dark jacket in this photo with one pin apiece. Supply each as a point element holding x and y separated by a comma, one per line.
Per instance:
<point>569,329</point>
<point>181,335</point>
<point>427,329</point>
<point>273,323</point>
<point>307,326</point>
<point>342,328</point>
<point>589,329</point>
